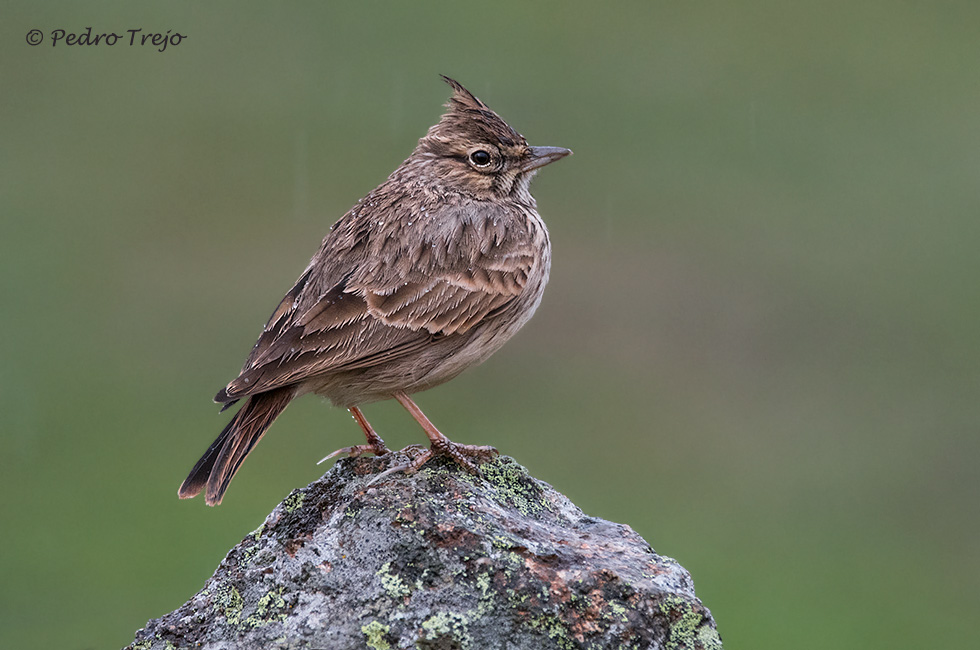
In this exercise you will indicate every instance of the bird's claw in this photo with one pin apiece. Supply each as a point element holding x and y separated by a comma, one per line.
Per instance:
<point>358,450</point>
<point>466,456</point>
<point>411,467</point>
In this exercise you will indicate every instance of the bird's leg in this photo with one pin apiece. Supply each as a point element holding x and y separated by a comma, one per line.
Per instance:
<point>464,455</point>
<point>375,445</point>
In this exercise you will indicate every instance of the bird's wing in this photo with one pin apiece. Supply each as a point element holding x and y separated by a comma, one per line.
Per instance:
<point>448,278</point>
<point>451,302</point>
<point>379,313</point>
<point>337,334</point>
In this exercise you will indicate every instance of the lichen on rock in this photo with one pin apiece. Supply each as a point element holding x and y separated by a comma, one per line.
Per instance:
<point>438,560</point>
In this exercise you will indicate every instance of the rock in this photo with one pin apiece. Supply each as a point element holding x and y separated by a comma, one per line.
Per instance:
<point>437,560</point>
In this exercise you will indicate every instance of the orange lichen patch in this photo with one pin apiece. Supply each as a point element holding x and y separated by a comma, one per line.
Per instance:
<point>587,619</point>
<point>449,536</point>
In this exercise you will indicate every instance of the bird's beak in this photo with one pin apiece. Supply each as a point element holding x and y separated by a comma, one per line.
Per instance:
<point>541,156</point>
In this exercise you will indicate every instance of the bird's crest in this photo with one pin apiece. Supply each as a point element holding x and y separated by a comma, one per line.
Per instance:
<point>468,115</point>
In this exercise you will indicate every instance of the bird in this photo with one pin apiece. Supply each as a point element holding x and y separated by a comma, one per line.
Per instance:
<point>429,274</point>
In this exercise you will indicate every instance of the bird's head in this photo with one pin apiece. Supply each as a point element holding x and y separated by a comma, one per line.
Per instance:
<point>471,150</point>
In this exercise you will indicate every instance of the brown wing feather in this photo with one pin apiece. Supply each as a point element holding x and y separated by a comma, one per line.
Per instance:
<point>279,322</point>
<point>457,296</point>
<point>354,346</point>
<point>447,307</point>
<point>336,319</point>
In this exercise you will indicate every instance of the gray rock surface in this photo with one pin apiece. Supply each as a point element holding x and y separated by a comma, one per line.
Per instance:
<point>437,560</point>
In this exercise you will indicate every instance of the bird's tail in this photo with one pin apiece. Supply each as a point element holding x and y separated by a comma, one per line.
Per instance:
<point>225,455</point>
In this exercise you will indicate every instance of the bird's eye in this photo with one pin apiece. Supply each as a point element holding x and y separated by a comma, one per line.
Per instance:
<point>480,158</point>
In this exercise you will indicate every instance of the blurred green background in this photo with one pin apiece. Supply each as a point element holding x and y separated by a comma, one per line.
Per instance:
<point>759,348</point>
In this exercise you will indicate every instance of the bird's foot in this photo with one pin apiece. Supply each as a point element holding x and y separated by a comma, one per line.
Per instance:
<point>375,445</point>
<point>415,452</point>
<point>466,456</point>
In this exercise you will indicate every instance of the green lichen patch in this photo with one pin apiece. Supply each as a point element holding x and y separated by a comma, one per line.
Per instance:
<point>709,638</point>
<point>246,556</point>
<point>294,501</point>
<point>448,627</point>
<point>375,634</point>
<point>688,627</point>
<point>618,610</point>
<point>487,602</point>
<point>392,583</point>
<point>555,628</point>
<point>515,487</point>
<point>228,602</point>
<point>483,583</point>
<point>270,608</point>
